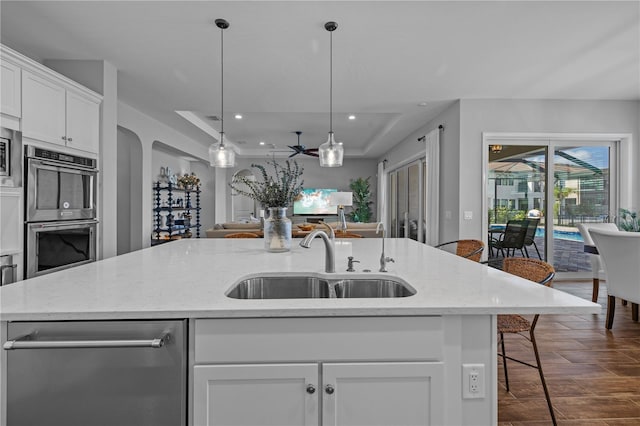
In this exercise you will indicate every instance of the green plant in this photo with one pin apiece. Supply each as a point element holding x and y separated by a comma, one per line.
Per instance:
<point>361,189</point>
<point>278,190</point>
<point>629,221</point>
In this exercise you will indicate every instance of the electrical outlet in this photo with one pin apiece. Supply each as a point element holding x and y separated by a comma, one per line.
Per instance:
<point>468,215</point>
<point>473,381</point>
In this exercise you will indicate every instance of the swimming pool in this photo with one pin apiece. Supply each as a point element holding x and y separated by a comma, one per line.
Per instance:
<point>558,235</point>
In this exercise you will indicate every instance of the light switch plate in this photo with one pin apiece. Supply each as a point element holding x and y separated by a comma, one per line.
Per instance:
<point>468,215</point>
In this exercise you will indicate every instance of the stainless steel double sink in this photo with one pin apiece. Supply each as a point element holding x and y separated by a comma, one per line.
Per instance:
<point>305,287</point>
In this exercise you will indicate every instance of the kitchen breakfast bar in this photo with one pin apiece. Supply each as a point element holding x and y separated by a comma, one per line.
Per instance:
<point>316,351</point>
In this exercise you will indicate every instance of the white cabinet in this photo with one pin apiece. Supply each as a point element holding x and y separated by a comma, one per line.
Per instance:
<point>319,371</point>
<point>268,395</point>
<point>391,393</point>
<point>11,100</point>
<point>55,114</point>
<point>367,393</point>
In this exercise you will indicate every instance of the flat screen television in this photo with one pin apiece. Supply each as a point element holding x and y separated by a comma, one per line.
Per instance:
<point>314,201</point>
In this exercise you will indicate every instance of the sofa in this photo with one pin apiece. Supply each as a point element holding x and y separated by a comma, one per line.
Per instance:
<point>367,230</point>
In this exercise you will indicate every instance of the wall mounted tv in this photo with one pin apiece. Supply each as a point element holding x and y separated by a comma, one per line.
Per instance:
<point>314,201</point>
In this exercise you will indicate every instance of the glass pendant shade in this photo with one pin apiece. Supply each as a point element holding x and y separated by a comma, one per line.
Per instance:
<point>330,153</point>
<point>221,155</point>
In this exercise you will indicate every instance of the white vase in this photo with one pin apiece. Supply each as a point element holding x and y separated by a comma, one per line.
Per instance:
<point>277,230</point>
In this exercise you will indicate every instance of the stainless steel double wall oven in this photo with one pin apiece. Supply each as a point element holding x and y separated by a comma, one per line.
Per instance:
<point>60,210</point>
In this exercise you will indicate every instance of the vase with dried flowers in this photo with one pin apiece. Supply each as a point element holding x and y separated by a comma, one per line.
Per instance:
<point>275,193</point>
<point>188,182</point>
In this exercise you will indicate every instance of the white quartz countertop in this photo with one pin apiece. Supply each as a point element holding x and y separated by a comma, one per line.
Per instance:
<point>189,279</point>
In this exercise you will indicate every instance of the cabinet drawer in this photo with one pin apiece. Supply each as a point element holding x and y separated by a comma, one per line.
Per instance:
<point>328,339</point>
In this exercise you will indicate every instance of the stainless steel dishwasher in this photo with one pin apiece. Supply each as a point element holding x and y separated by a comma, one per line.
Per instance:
<point>96,373</point>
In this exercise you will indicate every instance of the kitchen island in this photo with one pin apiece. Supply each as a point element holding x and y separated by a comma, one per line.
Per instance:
<point>312,360</point>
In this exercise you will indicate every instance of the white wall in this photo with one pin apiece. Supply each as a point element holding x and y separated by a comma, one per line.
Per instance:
<point>315,176</point>
<point>553,116</point>
<point>410,149</point>
<point>151,131</point>
<point>129,192</point>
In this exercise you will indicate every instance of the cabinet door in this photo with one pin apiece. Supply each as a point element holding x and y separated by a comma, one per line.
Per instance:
<point>10,101</point>
<point>266,394</point>
<point>43,109</point>
<point>403,393</point>
<point>83,123</point>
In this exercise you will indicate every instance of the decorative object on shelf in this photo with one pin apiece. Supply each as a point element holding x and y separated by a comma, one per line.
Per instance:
<point>188,181</point>
<point>496,149</point>
<point>629,221</point>
<point>341,199</point>
<point>361,200</point>
<point>173,214</point>
<point>331,152</point>
<point>221,155</point>
<point>274,193</point>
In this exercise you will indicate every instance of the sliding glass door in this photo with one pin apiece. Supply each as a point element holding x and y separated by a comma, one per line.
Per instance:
<point>407,201</point>
<point>558,184</point>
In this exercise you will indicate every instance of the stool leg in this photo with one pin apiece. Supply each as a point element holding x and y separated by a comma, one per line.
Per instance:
<point>504,361</point>
<point>544,383</point>
<point>596,289</point>
<point>611,310</point>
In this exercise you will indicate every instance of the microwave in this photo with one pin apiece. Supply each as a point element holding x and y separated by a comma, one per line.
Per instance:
<point>59,186</point>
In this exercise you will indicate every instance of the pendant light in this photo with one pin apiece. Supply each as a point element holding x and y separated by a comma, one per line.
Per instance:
<point>330,152</point>
<point>221,155</point>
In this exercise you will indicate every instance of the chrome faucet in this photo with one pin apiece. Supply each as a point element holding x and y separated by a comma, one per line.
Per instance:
<point>329,251</point>
<point>383,258</point>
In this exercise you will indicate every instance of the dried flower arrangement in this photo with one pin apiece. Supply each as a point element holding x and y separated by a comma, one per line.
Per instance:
<point>279,190</point>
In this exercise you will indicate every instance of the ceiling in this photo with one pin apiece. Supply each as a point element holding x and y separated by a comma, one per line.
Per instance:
<point>396,65</point>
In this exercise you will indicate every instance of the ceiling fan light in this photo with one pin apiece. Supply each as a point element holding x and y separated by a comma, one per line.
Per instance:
<point>221,155</point>
<point>330,153</point>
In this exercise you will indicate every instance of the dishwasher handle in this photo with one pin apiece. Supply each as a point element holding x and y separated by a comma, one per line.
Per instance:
<point>24,342</point>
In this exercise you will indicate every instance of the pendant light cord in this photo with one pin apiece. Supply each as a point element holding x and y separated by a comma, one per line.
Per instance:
<point>331,81</point>
<point>222,85</point>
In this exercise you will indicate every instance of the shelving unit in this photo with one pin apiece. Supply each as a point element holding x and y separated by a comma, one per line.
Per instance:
<point>174,211</point>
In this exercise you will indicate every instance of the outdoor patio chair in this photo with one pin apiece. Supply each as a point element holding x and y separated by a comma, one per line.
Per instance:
<point>620,252</point>
<point>596,265</point>
<point>511,239</point>
<point>530,235</point>
<point>542,273</point>
<point>469,249</point>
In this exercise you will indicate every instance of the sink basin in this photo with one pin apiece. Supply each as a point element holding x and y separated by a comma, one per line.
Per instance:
<point>280,288</point>
<point>371,288</point>
<point>304,287</point>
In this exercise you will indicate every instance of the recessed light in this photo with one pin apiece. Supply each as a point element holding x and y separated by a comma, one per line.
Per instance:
<point>238,116</point>
<point>423,104</point>
<point>261,142</point>
<point>352,117</point>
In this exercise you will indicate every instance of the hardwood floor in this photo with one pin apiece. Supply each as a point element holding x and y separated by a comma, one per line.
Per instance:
<point>593,375</point>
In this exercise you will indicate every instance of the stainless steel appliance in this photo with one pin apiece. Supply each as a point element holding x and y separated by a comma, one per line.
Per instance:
<point>7,270</point>
<point>10,157</point>
<point>53,246</point>
<point>60,210</point>
<point>96,373</point>
<point>59,186</point>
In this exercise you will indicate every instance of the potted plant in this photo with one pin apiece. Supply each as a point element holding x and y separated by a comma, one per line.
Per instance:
<point>361,190</point>
<point>275,193</point>
<point>629,221</point>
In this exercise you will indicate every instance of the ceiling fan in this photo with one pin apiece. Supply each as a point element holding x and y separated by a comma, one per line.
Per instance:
<point>301,149</point>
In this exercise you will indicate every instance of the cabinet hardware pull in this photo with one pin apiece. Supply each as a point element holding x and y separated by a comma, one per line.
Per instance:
<point>64,138</point>
<point>311,389</point>
<point>329,389</point>
<point>24,343</point>
<point>69,139</point>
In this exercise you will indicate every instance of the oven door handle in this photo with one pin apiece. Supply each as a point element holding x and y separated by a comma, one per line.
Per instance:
<point>67,224</point>
<point>67,167</point>
<point>24,342</point>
